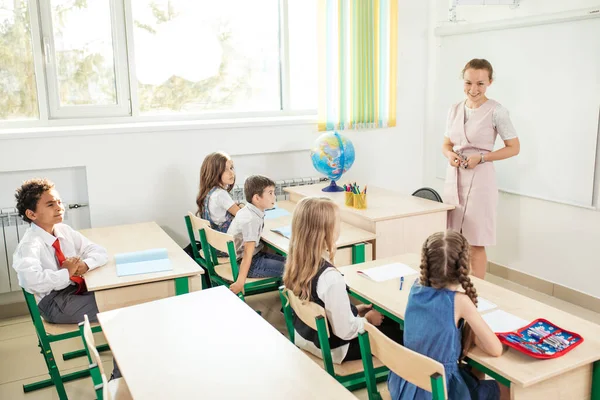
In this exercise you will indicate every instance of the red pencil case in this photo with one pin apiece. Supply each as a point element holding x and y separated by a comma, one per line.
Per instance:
<point>541,339</point>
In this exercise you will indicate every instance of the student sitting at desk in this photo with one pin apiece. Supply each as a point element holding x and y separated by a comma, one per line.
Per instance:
<point>217,177</point>
<point>310,275</point>
<point>247,228</point>
<point>438,319</point>
<point>52,258</point>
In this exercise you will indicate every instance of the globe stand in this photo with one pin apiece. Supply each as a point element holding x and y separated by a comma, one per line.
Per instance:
<point>333,188</point>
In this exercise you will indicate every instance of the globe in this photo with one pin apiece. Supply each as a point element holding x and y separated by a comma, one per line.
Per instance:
<point>332,155</point>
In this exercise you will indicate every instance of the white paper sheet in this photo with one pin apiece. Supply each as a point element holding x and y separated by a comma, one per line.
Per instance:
<point>387,272</point>
<point>484,305</point>
<point>501,321</point>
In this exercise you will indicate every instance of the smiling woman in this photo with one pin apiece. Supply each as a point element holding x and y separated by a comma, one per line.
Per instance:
<point>472,127</point>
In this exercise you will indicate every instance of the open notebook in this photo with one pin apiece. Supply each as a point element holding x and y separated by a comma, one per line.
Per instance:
<point>501,321</point>
<point>142,262</point>
<point>387,272</point>
<point>276,213</point>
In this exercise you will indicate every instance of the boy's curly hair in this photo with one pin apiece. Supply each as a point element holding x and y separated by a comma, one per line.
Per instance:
<point>29,194</point>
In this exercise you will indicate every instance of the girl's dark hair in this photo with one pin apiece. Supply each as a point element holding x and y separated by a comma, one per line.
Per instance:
<point>211,170</point>
<point>29,193</point>
<point>445,261</point>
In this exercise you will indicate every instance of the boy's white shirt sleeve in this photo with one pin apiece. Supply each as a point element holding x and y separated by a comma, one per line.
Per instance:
<point>92,254</point>
<point>331,288</point>
<point>34,278</point>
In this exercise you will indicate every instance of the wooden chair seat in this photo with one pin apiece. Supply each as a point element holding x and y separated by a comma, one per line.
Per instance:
<point>224,271</point>
<point>347,367</point>
<point>118,389</point>
<point>59,329</point>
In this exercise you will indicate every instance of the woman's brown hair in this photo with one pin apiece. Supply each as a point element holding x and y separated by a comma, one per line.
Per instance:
<point>211,171</point>
<point>479,63</point>
<point>445,261</point>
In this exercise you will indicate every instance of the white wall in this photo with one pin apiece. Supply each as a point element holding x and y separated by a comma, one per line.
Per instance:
<point>136,177</point>
<point>552,241</point>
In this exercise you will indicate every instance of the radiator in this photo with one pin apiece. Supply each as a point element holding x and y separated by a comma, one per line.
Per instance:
<point>13,228</point>
<point>238,190</point>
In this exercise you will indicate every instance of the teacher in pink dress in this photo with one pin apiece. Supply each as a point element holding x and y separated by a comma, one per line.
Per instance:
<point>472,127</point>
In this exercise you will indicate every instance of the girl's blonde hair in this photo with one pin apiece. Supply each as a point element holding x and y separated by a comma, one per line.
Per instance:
<point>445,259</point>
<point>211,171</point>
<point>313,234</point>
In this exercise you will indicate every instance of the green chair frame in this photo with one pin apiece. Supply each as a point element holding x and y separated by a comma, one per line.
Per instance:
<point>350,382</point>
<point>44,342</point>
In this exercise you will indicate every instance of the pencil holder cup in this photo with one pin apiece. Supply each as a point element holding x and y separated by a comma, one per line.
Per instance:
<point>349,199</point>
<point>360,201</point>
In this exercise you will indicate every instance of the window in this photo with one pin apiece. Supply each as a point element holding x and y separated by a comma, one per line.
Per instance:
<point>145,59</point>
<point>86,67</point>
<point>18,95</point>
<point>206,55</point>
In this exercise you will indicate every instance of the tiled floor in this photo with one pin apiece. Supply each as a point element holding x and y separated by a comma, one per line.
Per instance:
<point>20,361</point>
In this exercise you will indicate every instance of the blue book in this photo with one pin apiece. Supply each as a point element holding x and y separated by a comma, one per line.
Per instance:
<point>276,213</point>
<point>142,262</point>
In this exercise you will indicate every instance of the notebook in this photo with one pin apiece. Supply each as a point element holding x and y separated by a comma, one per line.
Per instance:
<point>285,231</point>
<point>142,262</point>
<point>501,321</point>
<point>387,272</point>
<point>484,305</point>
<point>276,213</point>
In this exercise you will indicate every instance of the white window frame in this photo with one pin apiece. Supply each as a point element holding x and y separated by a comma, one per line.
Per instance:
<point>127,111</point>
<point>123,105</point>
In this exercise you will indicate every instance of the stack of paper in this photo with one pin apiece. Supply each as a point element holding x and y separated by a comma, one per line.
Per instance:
<point>387,272</point>
<point>285,231</point>
<point>142,262</point>
<point>501,321</point>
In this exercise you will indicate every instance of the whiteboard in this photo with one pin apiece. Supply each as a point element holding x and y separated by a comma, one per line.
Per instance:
<point>548,77</point>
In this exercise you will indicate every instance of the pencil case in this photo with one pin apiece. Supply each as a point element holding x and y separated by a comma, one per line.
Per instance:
<point>541,339</point>
<point>349,200</point>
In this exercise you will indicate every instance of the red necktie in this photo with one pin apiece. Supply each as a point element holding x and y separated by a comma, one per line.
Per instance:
<point>61,259</point>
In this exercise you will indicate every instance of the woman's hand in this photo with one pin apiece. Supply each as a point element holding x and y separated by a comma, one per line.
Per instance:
<point>453,159</point>
<point>473,161</point>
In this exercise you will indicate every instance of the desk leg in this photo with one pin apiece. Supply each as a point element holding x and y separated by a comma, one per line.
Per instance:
<point>182,285</point>
<point>596,381</point>
<point>358,253</point>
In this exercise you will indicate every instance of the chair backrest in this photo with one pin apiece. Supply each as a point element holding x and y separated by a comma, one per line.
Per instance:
<point>307,311</point>
<point>429,194</point>
<point>411,366</point>
<point>197,224</point>
<point>218,240</point>
<point>90,343</point>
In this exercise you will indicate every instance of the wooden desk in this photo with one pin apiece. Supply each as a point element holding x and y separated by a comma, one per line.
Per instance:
<point>567,377</point>
<point>200,350</point>
<point>401,223</point>
<point>112,291</point>
<point>350,243</point>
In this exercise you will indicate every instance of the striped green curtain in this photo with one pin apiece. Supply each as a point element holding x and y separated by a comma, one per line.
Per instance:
<point>358,51</point>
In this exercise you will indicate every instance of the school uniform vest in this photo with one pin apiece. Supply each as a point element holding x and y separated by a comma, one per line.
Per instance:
<point>309,333</point>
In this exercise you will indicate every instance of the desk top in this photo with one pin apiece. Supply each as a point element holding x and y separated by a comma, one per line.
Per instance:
<point>220,352</point>
<point>515,366</point>
<point>382,204</point>
<point>349,235</point>
<point>135,237</point>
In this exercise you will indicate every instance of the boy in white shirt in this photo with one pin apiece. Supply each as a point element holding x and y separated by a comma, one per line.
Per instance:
<point>52,258</point>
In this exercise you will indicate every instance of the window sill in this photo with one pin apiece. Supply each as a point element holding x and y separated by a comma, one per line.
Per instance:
<point>152,126</point>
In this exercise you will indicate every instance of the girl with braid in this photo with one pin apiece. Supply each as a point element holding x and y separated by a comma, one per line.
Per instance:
<point>442,322</point>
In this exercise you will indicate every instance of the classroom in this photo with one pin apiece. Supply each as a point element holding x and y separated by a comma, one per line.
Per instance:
<point>324,199</point>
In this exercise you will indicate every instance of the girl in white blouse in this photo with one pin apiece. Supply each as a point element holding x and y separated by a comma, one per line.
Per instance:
<point>310,275</point>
